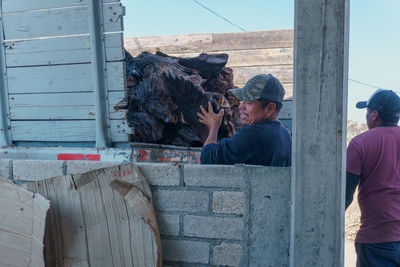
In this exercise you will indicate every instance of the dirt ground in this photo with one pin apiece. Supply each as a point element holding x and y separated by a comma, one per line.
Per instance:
<point>352,221</point>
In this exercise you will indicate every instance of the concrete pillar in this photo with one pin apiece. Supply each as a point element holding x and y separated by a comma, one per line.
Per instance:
<point>266,235</point>
<point>320,104</point>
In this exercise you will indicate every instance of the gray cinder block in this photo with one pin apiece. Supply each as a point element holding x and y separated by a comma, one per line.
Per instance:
<point>35,170</point>
<point>161,174</point>
<point>168,224</point>
<point>5,168</point>
<point>227,254</point>
<point>213,227</point>
<point>178,200</point>
<point>228,202</point>
<point>82,166</point>
<point>186,251</point>
<point>213,175</point>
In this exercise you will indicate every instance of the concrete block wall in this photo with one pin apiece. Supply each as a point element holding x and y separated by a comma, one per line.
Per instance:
<point>200,209</point>
<point>200,213</point>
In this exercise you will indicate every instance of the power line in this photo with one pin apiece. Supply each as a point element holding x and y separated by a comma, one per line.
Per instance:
<point>366,84</point>
<point>138,44</point>
<point>242,29</point>
<point>215,13</point>
<point>370,85</point>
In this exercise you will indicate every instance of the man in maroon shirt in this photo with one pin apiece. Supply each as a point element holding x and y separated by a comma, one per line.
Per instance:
<point>373,163</point>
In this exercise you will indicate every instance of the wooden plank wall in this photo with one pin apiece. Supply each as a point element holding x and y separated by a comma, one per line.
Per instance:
<point>49,73</point>
<point>250,53</point>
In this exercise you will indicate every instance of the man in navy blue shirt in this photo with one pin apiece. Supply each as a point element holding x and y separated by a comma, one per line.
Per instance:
<point>261,139</point>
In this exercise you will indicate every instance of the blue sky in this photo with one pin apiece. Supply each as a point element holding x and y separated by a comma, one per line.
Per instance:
<point>374,56</point>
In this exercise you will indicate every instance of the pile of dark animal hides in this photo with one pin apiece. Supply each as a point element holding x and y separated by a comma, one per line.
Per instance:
<point>165,94</point>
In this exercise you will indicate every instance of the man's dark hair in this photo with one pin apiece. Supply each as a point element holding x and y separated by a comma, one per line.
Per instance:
<point>388,119</point>
<point>265,102</point>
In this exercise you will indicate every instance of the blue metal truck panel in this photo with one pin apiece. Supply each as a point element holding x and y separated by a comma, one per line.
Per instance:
<point>63,72</point>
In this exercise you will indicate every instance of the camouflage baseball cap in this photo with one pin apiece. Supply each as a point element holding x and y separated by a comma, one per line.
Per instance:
<point>260,86</point>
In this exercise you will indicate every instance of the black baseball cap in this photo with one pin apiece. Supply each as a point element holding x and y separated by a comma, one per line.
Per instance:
<point>383,101</point>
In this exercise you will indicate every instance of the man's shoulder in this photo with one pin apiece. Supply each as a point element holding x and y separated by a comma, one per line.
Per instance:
<point>262,127</point>
<point>361,139</point>
<point>266,132</point>
<point>272,124</point>
<point>371,136</point>
<point>250,127</point>
<point>371,133</point>
<point>376,132</point>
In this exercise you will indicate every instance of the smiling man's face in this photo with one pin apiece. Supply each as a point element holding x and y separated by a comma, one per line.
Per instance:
<point>251,112</point>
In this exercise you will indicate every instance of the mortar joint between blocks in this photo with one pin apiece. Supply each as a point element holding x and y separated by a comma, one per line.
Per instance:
<point>211,253</point>
<point>181,231</point>
<point>11,170</point>
<point>64,168</point>
<point>210,202</point>
<point>212,241</point>
<point>181,175</point>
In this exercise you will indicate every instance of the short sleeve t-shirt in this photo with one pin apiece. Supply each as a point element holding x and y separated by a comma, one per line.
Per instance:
<point>375,157</point>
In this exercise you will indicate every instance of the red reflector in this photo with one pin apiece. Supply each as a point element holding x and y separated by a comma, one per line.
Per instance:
<point>90,157</point>
<point>142,155</point>
<point>70,157</point>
